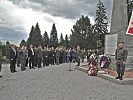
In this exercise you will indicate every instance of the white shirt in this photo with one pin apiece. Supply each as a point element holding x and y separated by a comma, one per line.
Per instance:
<point>32,51</point>
<point>14,51</point>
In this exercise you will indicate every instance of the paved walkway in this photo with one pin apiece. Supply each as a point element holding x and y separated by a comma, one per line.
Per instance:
<point>57,83</point>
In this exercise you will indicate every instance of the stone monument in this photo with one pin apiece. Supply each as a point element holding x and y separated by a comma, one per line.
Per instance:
<point>119,24</point>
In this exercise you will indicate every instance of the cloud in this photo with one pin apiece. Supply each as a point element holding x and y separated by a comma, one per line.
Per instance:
<point>9,34</point>
<point>65,8</point>
<point>18,16</point>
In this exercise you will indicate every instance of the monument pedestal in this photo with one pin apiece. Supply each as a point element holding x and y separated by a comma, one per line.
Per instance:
<point>128,66</point>
<point>119,24</point>
<point>111,43</point>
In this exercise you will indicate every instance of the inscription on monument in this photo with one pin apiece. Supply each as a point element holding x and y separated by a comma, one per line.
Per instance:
<point>111,44</point>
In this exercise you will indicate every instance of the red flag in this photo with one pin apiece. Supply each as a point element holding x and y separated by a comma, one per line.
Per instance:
<point>130,27</point>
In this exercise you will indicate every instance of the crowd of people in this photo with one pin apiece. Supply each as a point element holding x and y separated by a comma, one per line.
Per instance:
<point>32,56</point>
<point>42,56</point>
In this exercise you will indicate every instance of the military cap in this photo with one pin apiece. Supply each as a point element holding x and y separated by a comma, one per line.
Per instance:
<point>121,41</point>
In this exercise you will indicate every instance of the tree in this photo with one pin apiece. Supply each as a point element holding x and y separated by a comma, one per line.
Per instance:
<point>67,42</point>
<point>30,39</point>
<point>53,37</point>
<point>35,36</point>
<point>5,49</point>
<point>61,43</point>
<point>101,24</point>
<point>8,43</point>
<point>81,32</point>
<point>38,37</point>
<point>129,8</point>
<point>45,39</point>
<point>23,43</point>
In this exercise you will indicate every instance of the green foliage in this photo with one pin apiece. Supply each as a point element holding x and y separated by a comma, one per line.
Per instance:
<point>5,50</point>
<point>30,39</point>
<point>53,37</point>
<point>84,34</point>
<point>67,42</point>
<point>90,36</point>
<point>5,60</point>
<point>81,32</point>
<point>129,8</point>
<point>45,39</point>
<point>101,24</point>
<point>35,36</point>
<point>23,43</point>
<point>62,41</point>
<point>8,43</point>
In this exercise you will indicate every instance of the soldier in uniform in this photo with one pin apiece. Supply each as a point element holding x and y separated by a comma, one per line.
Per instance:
<point>120,57</point>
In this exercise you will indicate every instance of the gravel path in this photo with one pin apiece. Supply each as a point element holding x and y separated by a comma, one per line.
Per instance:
<point>57,83</point>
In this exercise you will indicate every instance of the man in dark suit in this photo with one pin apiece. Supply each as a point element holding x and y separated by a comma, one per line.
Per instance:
<point>31,55</point>
<point>13,56</point>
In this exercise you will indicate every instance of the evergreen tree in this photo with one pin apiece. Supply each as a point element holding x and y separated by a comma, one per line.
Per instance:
<point>67,41</point>
<point>8,43</point>
<point>30,39</point>
<point>53,37</point>
<point>81,32</point>
<point>35,36</point>
<point>101,23</point>
<point>45,39</point>
<point>61,43</point>
<point>23,43</point>
<point>38,37</point>
<point>129,8</point>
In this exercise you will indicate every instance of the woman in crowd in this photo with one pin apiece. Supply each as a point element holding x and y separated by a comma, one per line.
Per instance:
<point>23,57</point>
<point>39,56</point>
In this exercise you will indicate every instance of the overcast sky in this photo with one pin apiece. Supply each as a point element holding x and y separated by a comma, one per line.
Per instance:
<point>17,16</point>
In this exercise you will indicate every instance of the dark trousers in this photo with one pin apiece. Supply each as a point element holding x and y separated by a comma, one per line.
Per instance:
<point>47,61</point>
<point>44,61</point>
<point>35,61</point>
<point>52,61</point>
<point>39,62</point>
<point>120,67</point>
<point>61,60</point>
<point>12,65</point>
<point>26,64</point>
<point>18,61</point>
<point>78,61</point>
<point>31,62</point>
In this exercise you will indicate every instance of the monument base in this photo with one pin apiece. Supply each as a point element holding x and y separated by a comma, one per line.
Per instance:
<point>111,42</point>
<point>128,66</point>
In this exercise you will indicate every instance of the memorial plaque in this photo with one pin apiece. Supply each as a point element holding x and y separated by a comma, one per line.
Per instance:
<point>111,44</point>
